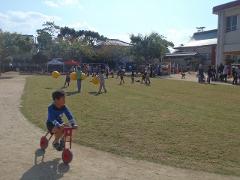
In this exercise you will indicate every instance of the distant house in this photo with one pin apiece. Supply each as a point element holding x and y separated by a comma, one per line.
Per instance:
<point>200,49</point>
<point>113,42</point>
<point>228,49</point>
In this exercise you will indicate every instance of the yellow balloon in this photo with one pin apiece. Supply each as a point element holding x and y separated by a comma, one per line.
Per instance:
<point>95,81</point>
<point>83,76</point>
<point>73,76</point>
<point>55,74</point>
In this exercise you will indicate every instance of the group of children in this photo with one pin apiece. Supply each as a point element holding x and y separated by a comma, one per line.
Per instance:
<point>145,77</point>
<point>100,77</point>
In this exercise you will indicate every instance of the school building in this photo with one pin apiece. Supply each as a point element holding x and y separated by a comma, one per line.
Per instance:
<point>228,46</point>
<point>212,47</point>
<point>201,49</point>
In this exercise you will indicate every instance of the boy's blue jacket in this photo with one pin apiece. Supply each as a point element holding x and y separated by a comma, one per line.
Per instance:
<point>55,115</point>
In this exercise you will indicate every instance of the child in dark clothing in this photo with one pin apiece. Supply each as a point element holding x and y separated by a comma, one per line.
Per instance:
<point>235,76</point>
<point>122,77</point>
<point>143,77</point>
<point>209,72</point>
<point>67,80</point>
<point>132,77</point>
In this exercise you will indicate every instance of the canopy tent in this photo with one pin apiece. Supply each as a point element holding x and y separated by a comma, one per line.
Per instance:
<point>55,64</point>
<point>71,63</point>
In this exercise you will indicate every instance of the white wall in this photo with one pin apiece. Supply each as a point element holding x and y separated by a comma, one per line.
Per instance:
<point>232,37</point>
<point>227,41</point>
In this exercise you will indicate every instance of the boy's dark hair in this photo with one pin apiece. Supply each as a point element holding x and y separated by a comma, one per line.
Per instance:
<point>58,94</point>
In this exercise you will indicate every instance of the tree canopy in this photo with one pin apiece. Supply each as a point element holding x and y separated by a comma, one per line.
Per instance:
<point>54,41</point>
<point>149,47</point>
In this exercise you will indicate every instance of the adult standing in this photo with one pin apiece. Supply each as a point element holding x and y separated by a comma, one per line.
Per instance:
<point>200,74</point>
<point>79,78</point>
<point>238,74</point>
<point>220,71</point>
<point>210,74</point>
<point>225,73</point>
<point>235,75</point>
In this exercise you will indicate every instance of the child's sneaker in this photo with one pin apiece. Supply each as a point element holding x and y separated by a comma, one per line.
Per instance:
<point>56,146</point>
<point>62,144</point>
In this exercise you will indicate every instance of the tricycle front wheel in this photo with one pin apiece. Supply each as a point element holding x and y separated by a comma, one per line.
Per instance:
<point>67,156</point>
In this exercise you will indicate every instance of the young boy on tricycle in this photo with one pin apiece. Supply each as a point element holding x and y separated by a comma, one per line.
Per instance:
<point>55,124</point>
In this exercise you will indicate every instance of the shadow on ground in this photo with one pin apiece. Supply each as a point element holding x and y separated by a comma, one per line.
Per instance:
<point>72,93</point>
<point>7,77</point>
<point>93,93</point>
<point>48,88</point>
<point>50,170</point>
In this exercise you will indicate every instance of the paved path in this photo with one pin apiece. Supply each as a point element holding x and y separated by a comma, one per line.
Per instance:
<point>192,78</point>
<point>21,159</point>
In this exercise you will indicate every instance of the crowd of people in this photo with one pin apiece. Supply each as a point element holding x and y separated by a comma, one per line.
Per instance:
<point>103,73</point>
<point>222,73</point>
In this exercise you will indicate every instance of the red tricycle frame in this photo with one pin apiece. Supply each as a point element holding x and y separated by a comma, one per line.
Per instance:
<point>67,155</point>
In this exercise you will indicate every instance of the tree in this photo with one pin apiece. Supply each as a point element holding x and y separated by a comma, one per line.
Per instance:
<point>147,48</point>
<point>15,46</point>
<point>88,37</point>
<point>40,58</point>
<point>51,28</point>
<point>44,39</point>
<point>112,54</point>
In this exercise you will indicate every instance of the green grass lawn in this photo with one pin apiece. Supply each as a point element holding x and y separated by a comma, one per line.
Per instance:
<point>177,123</point>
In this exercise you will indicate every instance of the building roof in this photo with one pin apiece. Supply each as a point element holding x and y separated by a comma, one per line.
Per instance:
<point>211,34</point>
<point>197,43</point>
<point>114,42</point>
<point>232,4</point>
<point>205,38</point>
<point>180,54</point>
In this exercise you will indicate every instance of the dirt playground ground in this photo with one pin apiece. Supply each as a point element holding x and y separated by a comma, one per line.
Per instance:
<point>21,158</point>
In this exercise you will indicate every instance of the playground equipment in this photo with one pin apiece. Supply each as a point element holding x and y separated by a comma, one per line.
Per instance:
<point>55,74</point>
<point>67,155</point>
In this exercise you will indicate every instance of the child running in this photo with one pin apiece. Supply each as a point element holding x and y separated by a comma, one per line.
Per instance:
<point>67,80</point>
<point>143,77</point>
<point>55,124</point>
<point>132,77</point>
<point>147,78</point>
<point>122,77</point>
<point>101,83</point>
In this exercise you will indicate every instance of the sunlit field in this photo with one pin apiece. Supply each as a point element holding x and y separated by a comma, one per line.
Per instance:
<point>183,124</point>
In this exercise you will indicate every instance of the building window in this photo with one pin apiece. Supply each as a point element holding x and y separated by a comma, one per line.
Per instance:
<point>231,23</point>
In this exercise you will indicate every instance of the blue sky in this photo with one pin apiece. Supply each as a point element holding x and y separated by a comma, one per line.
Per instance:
<point>175,19</point>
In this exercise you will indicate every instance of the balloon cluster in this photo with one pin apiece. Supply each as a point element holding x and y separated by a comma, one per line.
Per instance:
<point>73,76</point>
